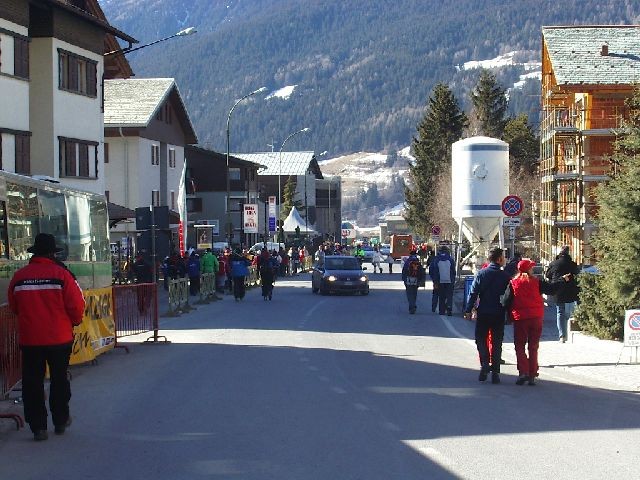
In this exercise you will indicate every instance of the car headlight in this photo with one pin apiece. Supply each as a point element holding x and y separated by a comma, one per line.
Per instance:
<point>331,278</point>
<point>364,278</point>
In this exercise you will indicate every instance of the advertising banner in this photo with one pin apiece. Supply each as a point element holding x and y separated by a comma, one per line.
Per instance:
<point>250,218</point>
<point>97,332</point>
<point>204,235</point>
<point>272,213</point>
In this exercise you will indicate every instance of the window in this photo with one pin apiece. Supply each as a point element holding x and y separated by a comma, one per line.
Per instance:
<point>173,200</point>
<point>74,158</point>
<point>194,205</point>
<point>23,154</point>
<point>234,174</point>
<point>20,57</point>
<point>172,158</point>
<point>77,74</point>
<point>155,154</point>
<point>106,153</point>
<point>155,198</point>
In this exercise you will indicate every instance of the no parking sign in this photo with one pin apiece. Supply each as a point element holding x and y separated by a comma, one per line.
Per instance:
<point>632,328</point>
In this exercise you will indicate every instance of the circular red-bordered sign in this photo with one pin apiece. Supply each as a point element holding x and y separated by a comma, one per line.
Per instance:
<point>634,321</point>
<point>436,230</point>
<point>512,205</point>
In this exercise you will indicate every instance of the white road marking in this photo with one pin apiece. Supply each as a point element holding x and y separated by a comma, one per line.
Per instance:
<point>453,330</point>
<point>313,309</point>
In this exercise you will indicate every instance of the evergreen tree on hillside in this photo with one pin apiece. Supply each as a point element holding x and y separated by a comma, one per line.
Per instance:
<point>442,125</point>
<point>489,106</point>
<point>524,146</point>
<point>605,297</point>
<point>287,198</point>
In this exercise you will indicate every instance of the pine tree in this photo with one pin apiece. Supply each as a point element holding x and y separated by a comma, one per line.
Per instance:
<point>605,297</point>
<point>489,106</point>
<point>524,146</point>
<point>441,126</point>
<point>287,198</point>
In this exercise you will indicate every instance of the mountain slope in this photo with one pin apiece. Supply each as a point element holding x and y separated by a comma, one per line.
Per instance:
<point>362,70</point>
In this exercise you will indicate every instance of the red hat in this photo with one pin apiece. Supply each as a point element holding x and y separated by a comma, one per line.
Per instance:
<point>525,265</point>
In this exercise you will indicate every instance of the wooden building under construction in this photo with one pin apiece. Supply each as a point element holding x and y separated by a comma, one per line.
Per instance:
<point>587,73</point>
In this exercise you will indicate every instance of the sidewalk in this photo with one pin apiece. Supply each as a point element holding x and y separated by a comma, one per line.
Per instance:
<point>604,361</point>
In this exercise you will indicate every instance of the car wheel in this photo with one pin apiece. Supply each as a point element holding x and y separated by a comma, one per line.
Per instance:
<point>365,292</point>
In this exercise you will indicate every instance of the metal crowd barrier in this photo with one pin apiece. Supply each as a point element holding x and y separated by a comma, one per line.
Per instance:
<point>178,297</point>
<point>10,358</point>
<point>135,310</point>
<point>307,264</point>
<point>207,288</point>
<point>252,279</point>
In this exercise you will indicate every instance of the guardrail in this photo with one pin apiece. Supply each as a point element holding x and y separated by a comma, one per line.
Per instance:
<point>10,359</point>
<point>207,288</point>
<point>178,297</point>
<point>135,311</point>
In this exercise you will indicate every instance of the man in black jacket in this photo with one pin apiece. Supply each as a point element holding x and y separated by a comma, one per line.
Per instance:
<point>567,295</point>
<point>489,285</point>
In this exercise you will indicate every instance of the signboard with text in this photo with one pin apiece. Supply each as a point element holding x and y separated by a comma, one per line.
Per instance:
<point>632,328</point>
<point>250,218</point>
<point>272,213</point>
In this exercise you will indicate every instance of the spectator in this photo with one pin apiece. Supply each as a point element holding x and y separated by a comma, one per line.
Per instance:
<point>443,274</point>
<point>567,294</point>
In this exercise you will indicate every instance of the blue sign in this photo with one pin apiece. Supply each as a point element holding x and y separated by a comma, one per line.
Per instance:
<point>272,224</point>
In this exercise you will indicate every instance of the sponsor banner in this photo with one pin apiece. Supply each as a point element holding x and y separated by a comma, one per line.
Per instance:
<point>97,332</point>
<point>205,237</point>
<point>250,218</point>
<point>272,213</point>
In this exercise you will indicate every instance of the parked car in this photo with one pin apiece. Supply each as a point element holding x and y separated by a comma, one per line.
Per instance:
<point>385,249</point>
<point>339,274</point>
<point>257,248</point>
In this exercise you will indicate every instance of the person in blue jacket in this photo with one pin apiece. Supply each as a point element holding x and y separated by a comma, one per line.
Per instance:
<point>193,269</point>
<point>442,270</point>
<point>239,272</point>
<point>489,285</point>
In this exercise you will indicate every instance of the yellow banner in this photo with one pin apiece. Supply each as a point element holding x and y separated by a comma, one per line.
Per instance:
<point>97,332</point>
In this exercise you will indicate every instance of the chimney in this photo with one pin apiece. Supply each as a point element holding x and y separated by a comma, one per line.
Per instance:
<point>605,50</point>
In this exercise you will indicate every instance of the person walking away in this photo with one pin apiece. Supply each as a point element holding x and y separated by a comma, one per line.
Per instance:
<point>266,269</point>
<point>443,273</point>
<point>209,264</point>
<point>295,260</point>
<point>512,265</point>
<point>413,276</point>
<point>390,261</point>
<point>524,302</point>
<point>194,273</point>
<point>49,303</point>
<point>567,294</point>
<point>319,256</point>
<point>284,263</point>
<point>239,272</point>
<point>434,289</point>
<point>489,285</point>
<point>376,260</point>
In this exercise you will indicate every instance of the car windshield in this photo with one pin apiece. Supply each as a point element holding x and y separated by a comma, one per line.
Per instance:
<point>346,263</point>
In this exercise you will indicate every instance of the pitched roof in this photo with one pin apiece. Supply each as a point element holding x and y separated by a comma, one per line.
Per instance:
<point>575,54</point>
<point>133,102</point>
<point>293,163</point>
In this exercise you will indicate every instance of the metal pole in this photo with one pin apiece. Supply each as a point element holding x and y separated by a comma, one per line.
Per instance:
<point>229,225</point>
<point>306,207</point>
<point>153,244</point>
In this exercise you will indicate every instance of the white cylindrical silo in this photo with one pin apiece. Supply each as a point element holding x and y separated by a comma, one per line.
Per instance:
<point>480,182</point>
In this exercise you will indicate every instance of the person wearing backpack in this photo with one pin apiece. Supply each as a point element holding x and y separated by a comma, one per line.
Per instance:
<point>443,273</point>
<point>413,276</point>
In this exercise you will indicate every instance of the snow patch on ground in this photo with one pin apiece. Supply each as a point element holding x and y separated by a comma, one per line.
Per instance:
<point>284,93</point>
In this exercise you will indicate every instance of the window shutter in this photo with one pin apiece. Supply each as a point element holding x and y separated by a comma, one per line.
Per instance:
<point>83,159</point>
<point>73,73</point>
<point>92,88</point>
<point>20,58</point>
<point>70,159</point>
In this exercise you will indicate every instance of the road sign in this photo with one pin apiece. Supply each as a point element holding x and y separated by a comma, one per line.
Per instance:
<point>512,233</point>
<point>436,230</point>
<point>511,221</point>
<point>512,205</point>
<point>632,328</point>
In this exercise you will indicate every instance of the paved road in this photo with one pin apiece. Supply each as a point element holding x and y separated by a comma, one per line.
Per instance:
<point>339,387</point>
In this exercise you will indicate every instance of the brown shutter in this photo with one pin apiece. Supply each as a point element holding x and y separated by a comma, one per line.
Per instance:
<point>70,159</point>
<point>92,87</point>
<point>83,159</point>
<point>106,152</point>
<point>20,58</point>
<point>73,73</point>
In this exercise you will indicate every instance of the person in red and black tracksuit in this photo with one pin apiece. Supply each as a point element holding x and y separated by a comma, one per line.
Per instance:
<point>48,302</point>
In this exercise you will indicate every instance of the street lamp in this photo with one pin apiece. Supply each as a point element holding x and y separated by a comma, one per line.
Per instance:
<point>181,33</point>
<point>280,168</point>
<point>229,223</point>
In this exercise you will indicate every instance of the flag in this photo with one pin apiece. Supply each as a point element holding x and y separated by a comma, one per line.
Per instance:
<point>182,208</point>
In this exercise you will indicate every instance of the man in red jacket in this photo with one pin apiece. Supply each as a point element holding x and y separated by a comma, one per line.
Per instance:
<point>48,302</point>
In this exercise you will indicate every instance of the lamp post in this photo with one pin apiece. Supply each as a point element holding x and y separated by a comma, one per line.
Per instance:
<point>181,33</point>
<point>229,223</point>
<point>280,169</point>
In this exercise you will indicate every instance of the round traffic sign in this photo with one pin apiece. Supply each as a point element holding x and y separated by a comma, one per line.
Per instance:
<point>512,205</point>
<point>634,321</point>
<point>436,230</point>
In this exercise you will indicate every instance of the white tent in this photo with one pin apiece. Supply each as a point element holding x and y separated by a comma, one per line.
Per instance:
<point>294,220</point>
